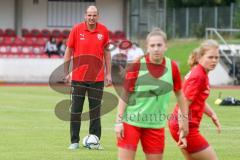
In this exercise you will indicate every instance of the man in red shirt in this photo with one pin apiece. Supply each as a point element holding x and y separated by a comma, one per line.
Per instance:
<point>86,44</point>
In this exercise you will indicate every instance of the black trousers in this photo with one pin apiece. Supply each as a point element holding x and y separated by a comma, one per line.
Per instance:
<point>94,91</point>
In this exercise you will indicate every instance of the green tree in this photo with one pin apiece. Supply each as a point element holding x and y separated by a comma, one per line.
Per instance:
<point>236,18</point>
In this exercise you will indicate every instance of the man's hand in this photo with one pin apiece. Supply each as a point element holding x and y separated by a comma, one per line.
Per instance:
<point>108,80</point>
<point>68,78</point>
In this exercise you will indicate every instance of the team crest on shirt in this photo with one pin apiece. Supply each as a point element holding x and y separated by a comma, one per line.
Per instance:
<point>100,37</point>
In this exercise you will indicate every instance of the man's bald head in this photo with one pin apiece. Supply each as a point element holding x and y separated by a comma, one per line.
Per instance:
<point>91,17</point>
<point>92,8</point>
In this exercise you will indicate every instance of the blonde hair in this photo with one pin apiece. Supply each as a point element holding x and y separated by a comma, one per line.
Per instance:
<point>157,32</point>
<point>193,58</point>
<point>199,52</point>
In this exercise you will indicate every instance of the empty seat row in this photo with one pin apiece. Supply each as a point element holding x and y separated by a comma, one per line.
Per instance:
<point>22,50</point>
<point>27,56</point>
<point>45,33</point>
<point>17,41</point>
<point>36,33</point>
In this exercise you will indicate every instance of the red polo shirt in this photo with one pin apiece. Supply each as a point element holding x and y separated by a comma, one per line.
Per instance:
<point>88,52</point>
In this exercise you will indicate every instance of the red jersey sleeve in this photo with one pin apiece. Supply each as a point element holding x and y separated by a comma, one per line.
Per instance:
<point>106,40</point>
<point>71,37</point>
<point>192,87</point>
<point>131,76</point>
<point>177,82</point>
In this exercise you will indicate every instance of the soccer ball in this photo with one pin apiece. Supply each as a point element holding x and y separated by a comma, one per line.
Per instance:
<point>91,141</point>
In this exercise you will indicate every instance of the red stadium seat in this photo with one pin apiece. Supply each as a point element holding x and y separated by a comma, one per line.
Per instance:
<point>26,50</point>
<point>9,33</point>
<point>56,33</point>
<point>45,33</point>
<point>65,33</point>
<point>7,41</point>
<point>38,50</point>
<point>15,50</point>
<point>17,42</point>
<point>41,42</point>
<point>26,33</point>
<point>4,49</point>
<point>35,33</point>
<point>28,41</point>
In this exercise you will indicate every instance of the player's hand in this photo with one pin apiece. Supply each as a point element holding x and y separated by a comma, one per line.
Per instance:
<point>216,122</point>
<point>108,80</point>
<point>183,126</point>
<point>182,142</point>
<point>119,130</point>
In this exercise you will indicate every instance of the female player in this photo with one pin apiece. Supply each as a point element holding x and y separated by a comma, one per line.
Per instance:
<point>142,108</point>
<point>196,90</point>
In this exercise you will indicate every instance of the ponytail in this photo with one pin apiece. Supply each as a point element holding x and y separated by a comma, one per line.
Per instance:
<point>193,58</point>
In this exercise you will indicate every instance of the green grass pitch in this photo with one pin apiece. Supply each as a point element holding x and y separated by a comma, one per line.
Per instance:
<point>30,130</point>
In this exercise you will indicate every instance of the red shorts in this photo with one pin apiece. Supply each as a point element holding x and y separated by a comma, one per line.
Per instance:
<point>152,140</point>
<point>195,141</point>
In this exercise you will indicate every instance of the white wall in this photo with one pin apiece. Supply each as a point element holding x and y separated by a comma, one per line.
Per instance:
<point>7,14</point>
<point>34,15</point>
<point>27,70</point>
<point>111,13</point>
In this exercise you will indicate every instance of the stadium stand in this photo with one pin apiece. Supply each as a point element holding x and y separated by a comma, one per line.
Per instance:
<point>31,43</point>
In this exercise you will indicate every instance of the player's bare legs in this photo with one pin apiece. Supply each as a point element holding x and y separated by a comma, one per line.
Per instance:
<point>125,154</point>
<point>206,154</point>
<point>154,156</point>
<point>187,155</point>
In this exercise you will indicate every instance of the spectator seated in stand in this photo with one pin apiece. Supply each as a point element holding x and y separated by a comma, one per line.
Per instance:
<point>51,47</point>
<point>61,47</point>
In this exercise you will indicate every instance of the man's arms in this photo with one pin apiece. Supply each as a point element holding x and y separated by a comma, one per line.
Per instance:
<point>67,61</point>
<point>107,60</point>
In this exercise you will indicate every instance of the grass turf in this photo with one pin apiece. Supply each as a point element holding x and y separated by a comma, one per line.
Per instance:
<point>30,130</point>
